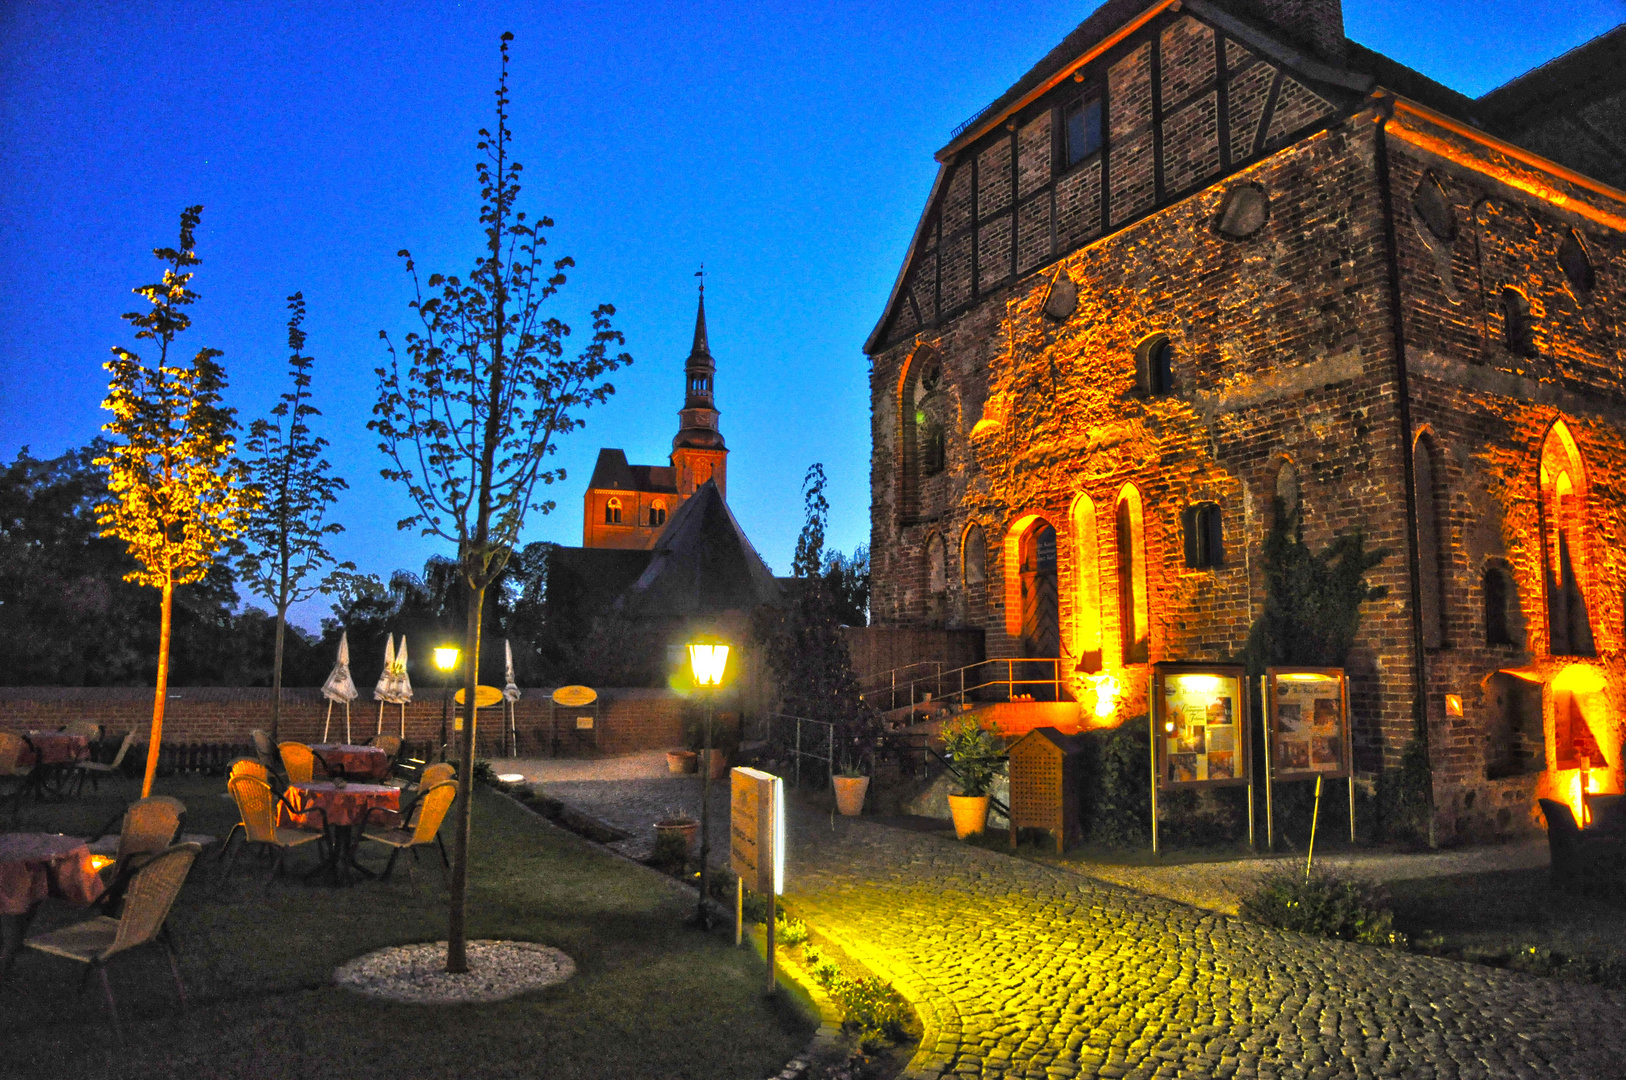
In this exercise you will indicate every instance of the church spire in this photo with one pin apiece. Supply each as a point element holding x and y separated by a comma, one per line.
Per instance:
<point>697,420</point>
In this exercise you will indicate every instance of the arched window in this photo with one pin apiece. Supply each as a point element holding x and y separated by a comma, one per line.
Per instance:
<point>1498,595</point>
<point>1134,612</point>
<point>1577,266</point>
<point>1563,535</point>
<point>1287,487</point>
<point>1041,623</point>
<point>1205,540</point>
<point>657,513</point>
<point>612,512</point>
<point>1516,334</point>
<point>1086,586</point>
<point>1154,365</point>
<point>1428,503</point>
<point>936,566</point>
<point>922,427</point>
<point>974,557</point>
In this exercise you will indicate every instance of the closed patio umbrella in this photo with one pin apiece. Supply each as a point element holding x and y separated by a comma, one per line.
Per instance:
<point>401,683</point>
<point>381,689</point>
<point>339,687</point>
<point>510,694</point>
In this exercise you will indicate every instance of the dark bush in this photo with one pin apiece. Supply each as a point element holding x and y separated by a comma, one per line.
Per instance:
<point>1348,909</point>
<point>1117,789</point>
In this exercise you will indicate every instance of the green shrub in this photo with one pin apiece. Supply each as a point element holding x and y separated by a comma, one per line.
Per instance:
<point>1348,909</point>
<point>483,772</point>
<point>1117,791</point>
<point>873,1008</point>
<point>789,932</point>
<point>671,849</point>
<point>756,907</point>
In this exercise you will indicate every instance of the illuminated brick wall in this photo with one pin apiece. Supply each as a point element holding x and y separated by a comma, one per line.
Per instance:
<point>1285,356</point>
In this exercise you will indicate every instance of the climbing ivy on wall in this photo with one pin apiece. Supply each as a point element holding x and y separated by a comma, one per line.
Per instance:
<point>1312,599</point>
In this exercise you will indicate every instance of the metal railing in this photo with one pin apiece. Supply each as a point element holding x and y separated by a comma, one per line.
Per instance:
<point>801,737</point>
<point>999,679</point>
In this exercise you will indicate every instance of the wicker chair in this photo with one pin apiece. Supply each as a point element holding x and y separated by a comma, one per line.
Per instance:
<point>11,773</point>
<point>243,767</point>
<point>390,744</point>
<point>298,762</point>
<point>438,773</point>
<point>151,893</point>
<point>422,821</point>
<point>259,806</point>
<point>95,770</point>
<point>146,828</point>
<point>266,750</point>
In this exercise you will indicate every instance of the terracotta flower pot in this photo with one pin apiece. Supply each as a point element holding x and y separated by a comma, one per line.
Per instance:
<point>850,791</point>
<point>680,761</point>
<point>684,827</point>
<point>970,814</point>
<point>717,761</point>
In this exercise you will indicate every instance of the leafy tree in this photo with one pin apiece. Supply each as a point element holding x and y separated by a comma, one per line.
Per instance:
<point>847,578</point>
<point>294,485</point>
<point>803,640</point>
<point>486,394</point>
<point>177,497</point>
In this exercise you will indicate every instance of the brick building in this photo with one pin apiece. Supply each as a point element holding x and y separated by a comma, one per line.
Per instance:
<point>1211,254</point>
<point>627,506</point>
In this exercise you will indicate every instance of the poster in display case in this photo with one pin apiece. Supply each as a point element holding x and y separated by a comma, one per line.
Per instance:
<point>1307,723</point>
<point>1200,725</point>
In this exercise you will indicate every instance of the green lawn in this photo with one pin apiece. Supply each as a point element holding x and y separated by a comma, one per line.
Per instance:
<point>651,998</point>
<point>1516,918</point>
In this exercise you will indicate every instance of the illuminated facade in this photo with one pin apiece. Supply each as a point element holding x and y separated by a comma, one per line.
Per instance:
<point>628,506</point>
<point>1169,278</point>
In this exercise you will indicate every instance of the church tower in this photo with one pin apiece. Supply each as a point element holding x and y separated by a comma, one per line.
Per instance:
<point>698,453</point>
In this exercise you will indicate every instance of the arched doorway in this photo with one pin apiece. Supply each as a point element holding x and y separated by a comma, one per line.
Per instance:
<point>1041,622</point>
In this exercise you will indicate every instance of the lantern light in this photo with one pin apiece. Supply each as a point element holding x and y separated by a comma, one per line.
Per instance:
<point>707,661</point>
<point>446,657</point>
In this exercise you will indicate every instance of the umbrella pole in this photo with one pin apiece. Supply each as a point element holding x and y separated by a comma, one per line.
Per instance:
<point>403,720</point>
<point>380,730</point>
<point>347,740</point>
<point>329,721</point>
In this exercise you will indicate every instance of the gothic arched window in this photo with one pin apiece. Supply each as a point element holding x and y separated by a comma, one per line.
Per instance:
<point>1498,596</point>
<point>1516,331</point>
<point>1429,582</point>
<point>1563,536</point>
<point>1205,540</point>
<point>612,512</point>
<point>1134,612</point>
<point>1086,586</point>
<point>657,513</point>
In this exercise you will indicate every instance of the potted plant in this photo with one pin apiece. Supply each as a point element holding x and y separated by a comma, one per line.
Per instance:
<point>681,761</point>
<point>674,833</point>
<point>725,739</point>
<point>851,778</point>
<point>978,757</point>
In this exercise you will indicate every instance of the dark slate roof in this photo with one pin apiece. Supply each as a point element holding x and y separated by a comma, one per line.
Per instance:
<point>1397,77</point>
<point>1593,69</point>
<point>612,472</point>
<point>702,563</point>
<point>589,580</point>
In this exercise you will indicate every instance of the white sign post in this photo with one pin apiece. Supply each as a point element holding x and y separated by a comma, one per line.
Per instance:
<point>757,846</point>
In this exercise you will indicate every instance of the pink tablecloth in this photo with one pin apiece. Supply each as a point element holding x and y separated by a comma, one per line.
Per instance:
<point>343,807</point>
<point>363,761</point>
<point>57,748</point>
<point>36,865</point>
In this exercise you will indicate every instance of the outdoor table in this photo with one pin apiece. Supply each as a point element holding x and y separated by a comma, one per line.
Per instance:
<point>51,754</point>
<point>352,762</point>
<point>34,866</point>
<point>346,809</point>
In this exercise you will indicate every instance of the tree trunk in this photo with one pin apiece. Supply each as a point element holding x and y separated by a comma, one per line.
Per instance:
<point>157,735</point>
<point>276,677</point>
<point>456,958</point>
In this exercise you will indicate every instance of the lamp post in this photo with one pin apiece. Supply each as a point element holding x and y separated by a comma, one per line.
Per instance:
<point>446,658</point>
<point>707,659</point>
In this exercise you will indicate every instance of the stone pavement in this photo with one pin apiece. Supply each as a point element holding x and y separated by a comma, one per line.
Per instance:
<point>1019,969</point>
<point>1023,970</point>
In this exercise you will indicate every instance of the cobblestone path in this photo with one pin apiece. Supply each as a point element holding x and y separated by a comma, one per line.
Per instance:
<point>1020,970</point>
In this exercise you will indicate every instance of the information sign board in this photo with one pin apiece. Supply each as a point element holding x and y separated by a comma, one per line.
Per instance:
<point>757,830</point>
<point>1308,713</point>
<point>1200,725</point>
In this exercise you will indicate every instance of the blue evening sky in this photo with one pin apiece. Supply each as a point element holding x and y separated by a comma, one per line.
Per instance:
<point>787,146</point>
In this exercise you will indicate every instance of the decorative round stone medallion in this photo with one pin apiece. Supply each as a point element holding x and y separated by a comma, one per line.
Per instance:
<point>417,974</point>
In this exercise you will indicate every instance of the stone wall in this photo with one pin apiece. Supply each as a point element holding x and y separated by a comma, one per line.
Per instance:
<point>629,719</point>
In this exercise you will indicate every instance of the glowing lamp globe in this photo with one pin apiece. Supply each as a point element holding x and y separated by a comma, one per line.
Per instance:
<point>446,657</point>
<point>707,661</point>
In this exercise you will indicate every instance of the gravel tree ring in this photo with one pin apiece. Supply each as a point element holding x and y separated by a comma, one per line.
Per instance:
<point>416,974</point>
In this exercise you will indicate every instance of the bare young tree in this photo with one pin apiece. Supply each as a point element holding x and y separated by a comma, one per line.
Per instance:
<point>470,418</point>
<point>283,546</point>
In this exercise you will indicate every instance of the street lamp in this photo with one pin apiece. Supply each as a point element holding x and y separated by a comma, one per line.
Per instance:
<point>446,658</point>
<point>707,659</point>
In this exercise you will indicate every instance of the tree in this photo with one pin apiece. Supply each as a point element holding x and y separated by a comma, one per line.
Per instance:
<point>803,640</point>
<point>177,496</point>
<point>293,485</point>
<point>485,396</point>
<point>847,578</point>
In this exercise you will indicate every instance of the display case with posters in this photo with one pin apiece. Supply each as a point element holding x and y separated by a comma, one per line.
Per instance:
<point>1307,714</point>
<point>1200,730</point>
<point>1306,733</point>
